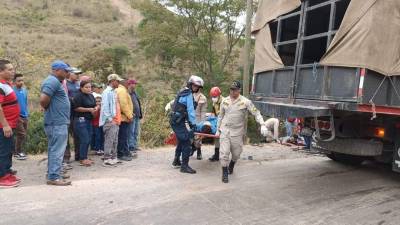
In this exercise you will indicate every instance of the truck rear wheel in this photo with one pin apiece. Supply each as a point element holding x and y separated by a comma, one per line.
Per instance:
<point>346,159</point>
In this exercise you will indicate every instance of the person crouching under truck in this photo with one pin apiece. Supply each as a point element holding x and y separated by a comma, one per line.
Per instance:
<point>183,110</point>
<point>231,127</point>
<point>272,125</point>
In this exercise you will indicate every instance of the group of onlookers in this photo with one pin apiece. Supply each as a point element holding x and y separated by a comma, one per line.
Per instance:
<point>106,122</point>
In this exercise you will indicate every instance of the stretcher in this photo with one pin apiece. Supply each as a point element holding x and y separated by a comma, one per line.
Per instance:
<point>171,139</point>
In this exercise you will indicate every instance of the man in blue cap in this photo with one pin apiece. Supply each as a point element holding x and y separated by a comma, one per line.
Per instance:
<point>54,100</point>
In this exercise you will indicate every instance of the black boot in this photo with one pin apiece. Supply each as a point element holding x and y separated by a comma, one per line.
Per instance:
<point>177,162</point>
<point>215,157</point>
<point>185,168</point>
<point>225,175</point>
<point>193,149</point>
<point>199,156</point>
<point>231,166</point>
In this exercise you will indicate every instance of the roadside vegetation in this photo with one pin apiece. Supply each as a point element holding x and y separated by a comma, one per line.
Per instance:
<point>198,37</point>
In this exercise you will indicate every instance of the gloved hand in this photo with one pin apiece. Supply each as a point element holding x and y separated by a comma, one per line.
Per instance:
<point>193,127</point>
<point>264,130</point>
<point>217,133</point>
<point>167,107</point>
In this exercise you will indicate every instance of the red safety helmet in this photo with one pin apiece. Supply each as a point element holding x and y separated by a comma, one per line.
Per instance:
<point>215,92</point>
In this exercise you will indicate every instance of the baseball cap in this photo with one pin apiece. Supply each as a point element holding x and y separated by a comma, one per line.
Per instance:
<point>85,78</point>
<point>76,70</point>
<point>132,81</point>
<point>236,85</point>
<point>95,95</point>
<point>114,77</point>
<point>60,65</point>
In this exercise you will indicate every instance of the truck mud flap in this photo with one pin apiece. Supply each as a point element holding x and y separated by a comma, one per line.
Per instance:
<point>350,146</point>
<point>291,110</point>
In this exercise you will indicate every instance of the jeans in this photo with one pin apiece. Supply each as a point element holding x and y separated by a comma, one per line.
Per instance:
<point>57,136</point>
<point>97,139</point>
<point>83,129</point>
<point>183,136</point>
<point>123,149</point>
<point>289,128</point>
<point>307,140</point>
<point>133,134</point>
<point>6,149</point>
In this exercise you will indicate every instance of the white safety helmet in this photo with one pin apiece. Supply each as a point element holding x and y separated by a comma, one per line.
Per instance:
<point>196,80</point>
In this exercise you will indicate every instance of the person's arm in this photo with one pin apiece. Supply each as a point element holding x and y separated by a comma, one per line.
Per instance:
<point>203,107</point>
<point>125,103</point>
<point>78,105</point>
<point>105,104</point>
<point>220,116</point>
<point>190,109</point>
<point>255,112</point>
<point>47,91</point>
<point>44,100</point>
<point>27,102</point>
<point>6,127</point>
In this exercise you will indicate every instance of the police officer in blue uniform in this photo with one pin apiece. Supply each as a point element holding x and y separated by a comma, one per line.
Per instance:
<point>183,111</point>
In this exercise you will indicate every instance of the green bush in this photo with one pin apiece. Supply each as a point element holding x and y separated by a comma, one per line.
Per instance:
<point>155,126</point>
<point>36,142</point>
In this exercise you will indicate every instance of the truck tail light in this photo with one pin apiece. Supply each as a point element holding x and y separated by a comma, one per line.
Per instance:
<point>380,132</point>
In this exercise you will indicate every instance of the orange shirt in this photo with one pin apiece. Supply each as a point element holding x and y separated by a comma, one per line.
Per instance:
<point>117,119</point>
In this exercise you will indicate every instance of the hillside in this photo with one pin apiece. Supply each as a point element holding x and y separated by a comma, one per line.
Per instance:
<point>34,32</point>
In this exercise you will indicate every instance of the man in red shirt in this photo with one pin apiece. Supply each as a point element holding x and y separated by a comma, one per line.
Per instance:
<point>9,113</point>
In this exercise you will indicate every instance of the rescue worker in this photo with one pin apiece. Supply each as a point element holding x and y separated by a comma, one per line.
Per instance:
<point>216,98</point>
<point>183,110</point>
<point>231,126</point>
<point>201,110</point>
<point>272,125</point>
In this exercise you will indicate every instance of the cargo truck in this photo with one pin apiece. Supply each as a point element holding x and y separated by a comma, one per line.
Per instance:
<point>335,63</point>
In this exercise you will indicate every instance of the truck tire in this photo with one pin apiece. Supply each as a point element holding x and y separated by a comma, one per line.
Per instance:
<point>346,159</point>
<point>396,154</point>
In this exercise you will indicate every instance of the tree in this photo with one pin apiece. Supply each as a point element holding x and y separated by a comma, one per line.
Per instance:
<point>106,61</point>
<point>200,35</point>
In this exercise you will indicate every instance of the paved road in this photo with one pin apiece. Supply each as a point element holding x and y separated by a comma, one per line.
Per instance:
<point>279,186</point>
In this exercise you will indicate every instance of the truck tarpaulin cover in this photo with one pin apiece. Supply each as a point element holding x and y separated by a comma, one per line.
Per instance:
<point>369,37</point>
<point>266,56</point>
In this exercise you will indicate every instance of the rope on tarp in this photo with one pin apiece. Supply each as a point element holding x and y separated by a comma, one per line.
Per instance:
<point>371,101</point>
<point>314,71</point>
<point>394,88</point>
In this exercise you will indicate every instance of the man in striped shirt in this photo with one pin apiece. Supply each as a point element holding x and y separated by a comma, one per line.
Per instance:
<point>9,114</point>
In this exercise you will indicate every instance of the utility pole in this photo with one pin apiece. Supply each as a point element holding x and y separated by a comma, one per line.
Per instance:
<point>247,48</point>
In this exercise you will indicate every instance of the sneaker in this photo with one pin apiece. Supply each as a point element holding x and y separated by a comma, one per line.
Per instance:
<point>58,182</point>
<point>125,158</point>
<point>67,166</point>
<point>13,172</point>
<point>100,152</point>
<point>20,156</point>
<point>13,177</point>
<point>108,163</point>
<point>116,161</point>
<point>65,176</point>
<point>7,182</point>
